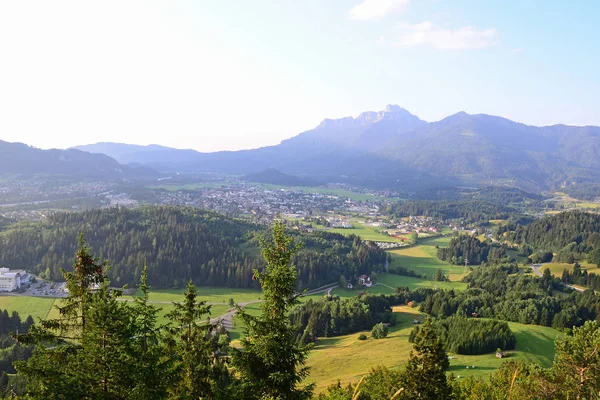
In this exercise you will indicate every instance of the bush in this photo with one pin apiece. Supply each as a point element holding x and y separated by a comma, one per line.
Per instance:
<point>379,331</point>
<point>362,336</point>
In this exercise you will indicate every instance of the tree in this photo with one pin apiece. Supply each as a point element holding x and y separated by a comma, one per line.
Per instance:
<point>198,371</point>
<point>577,362</point>
<point>439,276</point>
<point>425,374</point>
<point>151,367</point>
<point>414,237</point>
<point>87,351</point>
<point>231,303</point>
<point>343,283</point>
<point>379,331</point>
<point>271,362</point>
<point>3,383</point>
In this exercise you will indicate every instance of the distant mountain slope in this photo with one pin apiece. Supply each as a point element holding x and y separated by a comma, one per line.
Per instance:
<point>276,177</point>
<point>18,158</point>
<point>393,148</point>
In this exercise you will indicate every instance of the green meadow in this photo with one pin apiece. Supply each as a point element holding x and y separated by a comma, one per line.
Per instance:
<point>422,259</point>
<point>346,358</point>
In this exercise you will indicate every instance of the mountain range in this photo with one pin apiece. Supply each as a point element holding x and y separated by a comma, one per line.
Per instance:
<point>18,158</point>
<point>393,148</point>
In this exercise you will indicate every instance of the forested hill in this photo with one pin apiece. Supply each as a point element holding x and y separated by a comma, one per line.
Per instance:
<point>568,233</point>
<point>177,243</point>
<point>471,210</point>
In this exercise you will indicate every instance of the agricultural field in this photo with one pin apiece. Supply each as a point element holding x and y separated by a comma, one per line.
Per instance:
<point>37,307</point>
<point>326,191</point>
<point>365,232</point>
<point>346,358</point>
<point>557,268</point>
<point>423,259</point>
<point>205,293</point>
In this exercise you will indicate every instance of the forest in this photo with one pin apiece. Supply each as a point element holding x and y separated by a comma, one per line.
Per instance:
<point>334,316</point>
<point>573,236</point>
<point>177,244</point>
<point>470,249</point>
<point>102,348</point>
<point>462,335</point>
<point>469,210</point>
<point>503,293</point>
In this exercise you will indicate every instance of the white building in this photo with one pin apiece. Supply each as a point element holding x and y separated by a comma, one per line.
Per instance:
<point>11,280</point>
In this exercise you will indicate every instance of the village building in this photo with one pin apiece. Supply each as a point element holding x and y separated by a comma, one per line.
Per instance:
<point>365,281</point>
<point>12,280</point>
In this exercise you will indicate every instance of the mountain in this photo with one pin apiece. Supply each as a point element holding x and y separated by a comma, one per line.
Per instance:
<point>276,177</point>
<point>395,149</point>
<point>18,158</point>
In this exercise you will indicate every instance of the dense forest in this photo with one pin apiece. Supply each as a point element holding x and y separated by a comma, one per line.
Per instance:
<point>468,248</point>
<point>10,350</point>
<point>491,194</point>
<point>462,335</point>
<point>588,191</point>
<point>573,236</point>
<point>334,316</point>
<point>503,293</point>
<point>469,211</point>
<point>177,244</point>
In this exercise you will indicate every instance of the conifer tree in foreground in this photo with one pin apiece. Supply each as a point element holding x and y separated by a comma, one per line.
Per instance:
<point>425,374</point>
<point>86,352</point>
<point>271,362</point>
<point>198,372</point>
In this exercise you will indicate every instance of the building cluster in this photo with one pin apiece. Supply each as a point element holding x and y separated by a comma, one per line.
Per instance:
<point>12,280</point>
<point>262,203</point>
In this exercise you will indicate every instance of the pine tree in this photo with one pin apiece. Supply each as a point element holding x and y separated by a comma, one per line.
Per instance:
<point>271,363</point>
<point>425,374</point>
<point>152,378</point>
<point>87,351</point>
<point>198,371</point>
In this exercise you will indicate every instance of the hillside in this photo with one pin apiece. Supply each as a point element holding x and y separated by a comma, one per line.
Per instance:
<point>395,149</point>
<point>177,244</point>
<point>18,158</point>
<point>276,177</point>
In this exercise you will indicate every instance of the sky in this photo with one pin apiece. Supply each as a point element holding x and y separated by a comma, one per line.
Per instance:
<point>226,75</point>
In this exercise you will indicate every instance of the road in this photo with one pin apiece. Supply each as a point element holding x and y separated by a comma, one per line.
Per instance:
<point>536,270</point>
<point>227,318</point>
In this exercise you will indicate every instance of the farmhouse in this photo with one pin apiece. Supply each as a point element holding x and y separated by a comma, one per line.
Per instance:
<point>365,281</point>
<point>12,280</point>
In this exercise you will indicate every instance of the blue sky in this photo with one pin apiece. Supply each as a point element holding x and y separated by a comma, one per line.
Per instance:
<point>214,75</point>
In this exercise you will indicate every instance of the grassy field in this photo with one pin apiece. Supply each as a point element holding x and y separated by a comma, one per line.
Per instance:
<point>557,268</point>
<point>37,307</point>
<point>206,293</point>
<point>423,260</point>
<point>346,358</point>
<point>365,232</point>
<point>413,283</point>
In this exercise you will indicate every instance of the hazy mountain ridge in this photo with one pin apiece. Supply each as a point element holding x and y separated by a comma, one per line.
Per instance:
<point>18,158</point>
<point>394,148</point>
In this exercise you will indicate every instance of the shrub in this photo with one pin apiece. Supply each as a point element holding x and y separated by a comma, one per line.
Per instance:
<point>379,331</point>
<point>362,336</point>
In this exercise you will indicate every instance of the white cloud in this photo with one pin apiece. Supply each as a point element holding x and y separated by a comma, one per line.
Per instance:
<point>374,9</point>
<point>425,33</point>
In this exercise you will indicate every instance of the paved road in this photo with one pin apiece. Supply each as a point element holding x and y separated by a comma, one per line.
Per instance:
<point>536,270</point>
<point>227,318</point>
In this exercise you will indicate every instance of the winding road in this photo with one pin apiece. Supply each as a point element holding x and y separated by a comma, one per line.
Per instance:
<point>536,269</point>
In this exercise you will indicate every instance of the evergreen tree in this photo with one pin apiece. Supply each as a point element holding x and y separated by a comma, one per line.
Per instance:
<point>271,362</point>
<point>198,371</point>
<point>3,383</point>
<point>577,362</point>
<point>425,374</point>
<point>87,352</point>
<point>152,379</point>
